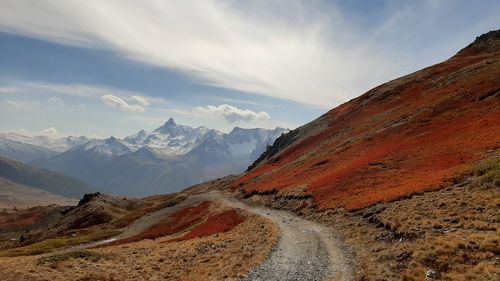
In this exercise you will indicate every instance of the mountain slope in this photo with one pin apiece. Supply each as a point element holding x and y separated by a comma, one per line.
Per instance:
<point>42,179</point>
<point>27,149</point>
<point>20,196</point>
<point>409,135</point>
<point>23,152</point>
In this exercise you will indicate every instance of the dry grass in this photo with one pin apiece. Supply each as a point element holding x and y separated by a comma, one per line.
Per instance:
<point>49,245</point>
<point>223,256</point>
<point>453,231</point>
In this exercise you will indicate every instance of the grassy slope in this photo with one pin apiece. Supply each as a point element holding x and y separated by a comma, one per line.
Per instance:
<point>43,179</point>
<point>17,195</point>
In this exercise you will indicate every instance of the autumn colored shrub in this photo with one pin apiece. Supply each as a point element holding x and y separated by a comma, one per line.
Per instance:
<point>218,223</point>
<point>410,135</point>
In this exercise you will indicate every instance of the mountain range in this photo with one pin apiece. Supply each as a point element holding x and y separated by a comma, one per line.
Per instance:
<point>167,159</point>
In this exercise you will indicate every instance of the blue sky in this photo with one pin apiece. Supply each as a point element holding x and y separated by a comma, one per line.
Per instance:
<point>102,68</point>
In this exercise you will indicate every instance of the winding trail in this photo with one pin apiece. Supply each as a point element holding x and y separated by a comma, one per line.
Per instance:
<point>306,250</point>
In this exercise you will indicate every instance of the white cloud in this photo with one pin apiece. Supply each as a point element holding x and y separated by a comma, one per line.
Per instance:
<point>18,105</point>
<point>233,114</point>
<point>55,101</point>
<point>304,51</point>
<point>49,131</point>
<point>140,100</point>
<point>9,90</point>
<point>117,102</point>
<point>78,90</point>
<point>126,100</point>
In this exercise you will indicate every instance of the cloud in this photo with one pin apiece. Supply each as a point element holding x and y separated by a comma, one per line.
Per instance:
<point>18,105</point>
<point>117,102</point>
<point>9,90</point>
<point>126,100</point>
<point>304,51</point>
<point>233,114</point>
<point>78,90</point>
<point>55,101</point>
<point>49,131</point>
<point>140,100</point>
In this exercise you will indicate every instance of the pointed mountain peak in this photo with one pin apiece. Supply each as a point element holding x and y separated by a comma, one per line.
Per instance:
<point>170,122</point>
<point>112,141</point>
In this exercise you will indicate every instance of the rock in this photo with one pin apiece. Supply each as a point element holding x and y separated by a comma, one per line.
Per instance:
<point>431,274</point>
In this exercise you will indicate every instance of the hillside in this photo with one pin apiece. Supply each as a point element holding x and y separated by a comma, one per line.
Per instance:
<point>413,134</point>
<point>42,179</point>
<point>13,195</point>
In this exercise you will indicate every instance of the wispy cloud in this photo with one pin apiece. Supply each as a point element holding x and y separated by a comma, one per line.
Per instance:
<point>51,131</point>
<point>120,103</point>
<point>233,114</point>
<point>305,51</point>
<point>123,99</point>
<point>18,105</point>
<point>79,90</point>
<point>9,90</point>
<point>55,101</point>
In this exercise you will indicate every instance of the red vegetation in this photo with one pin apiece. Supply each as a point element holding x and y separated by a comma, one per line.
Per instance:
<point>214,224</point>
<point>408,135</point>
<point>177,222</point>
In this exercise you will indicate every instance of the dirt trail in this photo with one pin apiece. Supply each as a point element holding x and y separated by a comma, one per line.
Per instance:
<point>306,250</point>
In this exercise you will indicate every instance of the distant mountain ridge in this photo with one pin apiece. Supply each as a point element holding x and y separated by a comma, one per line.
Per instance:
<point>167,159</point>
<point>43,179</point>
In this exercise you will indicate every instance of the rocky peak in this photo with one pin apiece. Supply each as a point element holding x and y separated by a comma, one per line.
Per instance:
<point>170,122</point>
<point>485,43</point>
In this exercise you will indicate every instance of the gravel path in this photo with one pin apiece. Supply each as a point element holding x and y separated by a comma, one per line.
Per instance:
<point>306,250</point>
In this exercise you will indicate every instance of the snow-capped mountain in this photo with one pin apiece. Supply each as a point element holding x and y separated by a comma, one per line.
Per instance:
<point>23,152</point>
<point>171,138</point>
<point>167,159</point>
<point>110,147</point>
<point>55,144</point>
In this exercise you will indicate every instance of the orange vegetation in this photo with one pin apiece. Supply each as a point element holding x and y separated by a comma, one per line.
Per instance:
<point>175,223</point>
<point>218,223</point>
<point>408,135</point>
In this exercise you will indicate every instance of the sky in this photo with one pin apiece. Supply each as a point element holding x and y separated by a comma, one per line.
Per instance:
<point>114,67</point>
